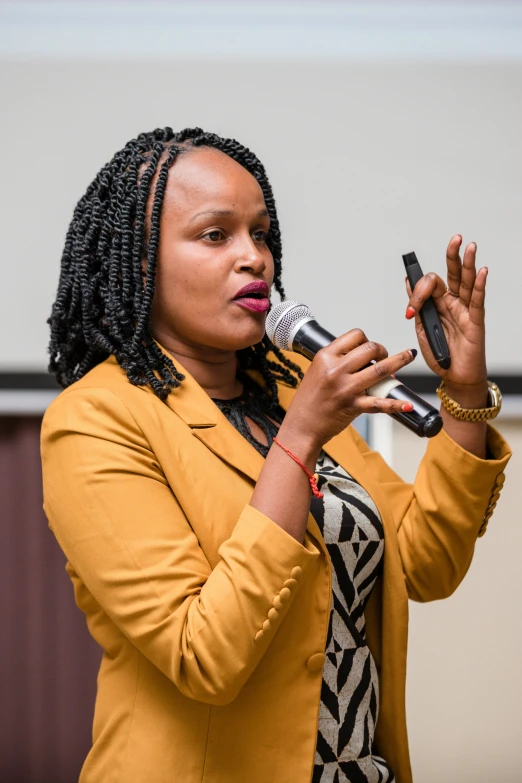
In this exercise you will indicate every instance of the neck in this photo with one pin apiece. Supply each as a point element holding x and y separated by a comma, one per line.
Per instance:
<point>214,370</point>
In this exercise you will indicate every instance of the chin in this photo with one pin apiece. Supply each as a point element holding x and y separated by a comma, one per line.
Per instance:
<point>239,342</point>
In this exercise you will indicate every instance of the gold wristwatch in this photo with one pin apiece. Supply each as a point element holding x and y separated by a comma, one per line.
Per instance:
<point>472,414</point>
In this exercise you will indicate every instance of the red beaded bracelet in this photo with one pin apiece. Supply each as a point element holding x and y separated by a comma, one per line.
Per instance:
<point>311,478</point>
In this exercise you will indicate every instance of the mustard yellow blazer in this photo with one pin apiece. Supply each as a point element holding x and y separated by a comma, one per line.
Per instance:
<point>212,618</point>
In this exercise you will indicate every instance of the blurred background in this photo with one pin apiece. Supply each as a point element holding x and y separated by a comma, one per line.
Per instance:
<point>385,127</point>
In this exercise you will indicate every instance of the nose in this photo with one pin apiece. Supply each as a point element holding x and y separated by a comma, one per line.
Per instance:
<point>249,256</point>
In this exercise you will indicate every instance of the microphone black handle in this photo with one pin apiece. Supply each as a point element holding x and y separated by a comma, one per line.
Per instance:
<point>424,419</point>
<point>310,338</point>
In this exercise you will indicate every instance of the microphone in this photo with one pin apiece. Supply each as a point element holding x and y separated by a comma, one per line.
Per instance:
<point>291,326</point>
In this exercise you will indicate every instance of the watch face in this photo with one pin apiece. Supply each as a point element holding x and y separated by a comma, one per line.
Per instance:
<point>494,395</point>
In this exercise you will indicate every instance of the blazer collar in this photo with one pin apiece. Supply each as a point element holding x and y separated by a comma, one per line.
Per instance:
<point>191,403</point>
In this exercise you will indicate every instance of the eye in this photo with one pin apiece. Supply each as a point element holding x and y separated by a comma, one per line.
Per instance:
<point>260,235</point>
<point>216,235</point>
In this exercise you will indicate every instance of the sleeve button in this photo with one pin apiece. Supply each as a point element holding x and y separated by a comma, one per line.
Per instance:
<point>290,583</point>
<point>316,662</point>
<point>258,635</point>
<point>278,604</point>
<point>267,625</point>
<point>284,595</point>
<point>296,572</point>
<point>273,614</point>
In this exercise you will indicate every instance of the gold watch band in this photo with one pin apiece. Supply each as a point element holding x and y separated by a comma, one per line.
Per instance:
<point>472,414</point>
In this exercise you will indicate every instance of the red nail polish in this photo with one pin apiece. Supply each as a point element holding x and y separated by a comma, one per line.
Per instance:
<point>408,407</point>
<point>410,312</point>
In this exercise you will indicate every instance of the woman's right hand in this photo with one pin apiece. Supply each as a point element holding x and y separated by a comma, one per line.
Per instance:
<point>333,391</point>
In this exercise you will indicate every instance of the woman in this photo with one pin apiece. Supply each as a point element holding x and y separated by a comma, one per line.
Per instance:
<point>250,631</point>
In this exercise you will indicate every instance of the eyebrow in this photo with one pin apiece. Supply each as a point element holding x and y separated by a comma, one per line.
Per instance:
<point>223,213</point>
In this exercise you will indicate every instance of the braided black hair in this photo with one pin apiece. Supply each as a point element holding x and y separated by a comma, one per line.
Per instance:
<point>102,306</point>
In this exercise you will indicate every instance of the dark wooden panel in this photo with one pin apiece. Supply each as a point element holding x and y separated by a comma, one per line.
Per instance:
<point>49,661</point>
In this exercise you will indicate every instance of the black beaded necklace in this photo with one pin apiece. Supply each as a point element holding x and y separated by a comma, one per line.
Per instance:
<point>255,403</point>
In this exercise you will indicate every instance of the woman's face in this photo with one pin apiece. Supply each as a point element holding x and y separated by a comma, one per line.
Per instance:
<point>212,243</point>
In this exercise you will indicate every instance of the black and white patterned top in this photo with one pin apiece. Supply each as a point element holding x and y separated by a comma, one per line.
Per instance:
<point>352,530</point>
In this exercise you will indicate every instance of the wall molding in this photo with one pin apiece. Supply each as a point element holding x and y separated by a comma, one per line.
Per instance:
<point>422,383</point>
<point>30,393</point>
<point>287,31</point>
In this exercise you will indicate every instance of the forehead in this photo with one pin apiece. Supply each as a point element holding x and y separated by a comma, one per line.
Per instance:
<point>204,177</point>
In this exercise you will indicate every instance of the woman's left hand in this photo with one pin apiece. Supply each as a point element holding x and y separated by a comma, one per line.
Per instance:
<point>460,306</point>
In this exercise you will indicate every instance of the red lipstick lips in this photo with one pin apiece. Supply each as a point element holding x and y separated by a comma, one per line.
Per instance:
<point>254,296</point>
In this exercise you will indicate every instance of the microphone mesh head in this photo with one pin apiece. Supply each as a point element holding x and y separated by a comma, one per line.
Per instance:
<point>282,320</point>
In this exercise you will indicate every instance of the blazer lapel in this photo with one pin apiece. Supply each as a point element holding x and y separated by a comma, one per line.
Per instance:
<point>191,403</point>
<point>225,441</point>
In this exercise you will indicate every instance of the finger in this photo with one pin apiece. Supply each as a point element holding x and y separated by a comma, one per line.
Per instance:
<point>383,369</point>
<point>454,264</point>
<point>478,296</point>
<point>347,342</point>
<point>363,355</point>
<point>469,273</point>
<point>369,404</point>
<point>429,285</point>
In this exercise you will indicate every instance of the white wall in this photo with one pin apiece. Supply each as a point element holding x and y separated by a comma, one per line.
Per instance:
<point>369,159</point>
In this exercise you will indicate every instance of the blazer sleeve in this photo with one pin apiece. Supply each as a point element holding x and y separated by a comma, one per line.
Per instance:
<point>124,533</point>
<point>441,514</point>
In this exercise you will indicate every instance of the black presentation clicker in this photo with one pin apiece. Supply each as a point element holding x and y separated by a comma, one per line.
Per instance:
<point>428,315</point>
